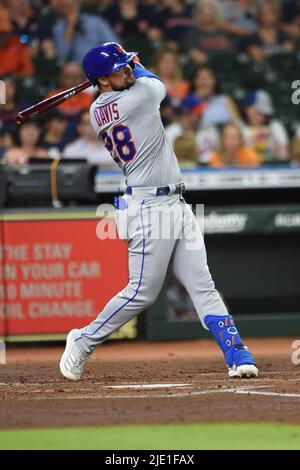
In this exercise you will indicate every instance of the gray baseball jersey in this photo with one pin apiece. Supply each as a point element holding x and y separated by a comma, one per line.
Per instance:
<point>130,125</point>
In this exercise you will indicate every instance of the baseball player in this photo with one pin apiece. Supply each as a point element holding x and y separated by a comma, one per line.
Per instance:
<point>126,117</point>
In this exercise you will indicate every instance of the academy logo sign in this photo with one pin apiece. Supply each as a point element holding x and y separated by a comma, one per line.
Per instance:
<point>287,220</point>
<point>225,223</point>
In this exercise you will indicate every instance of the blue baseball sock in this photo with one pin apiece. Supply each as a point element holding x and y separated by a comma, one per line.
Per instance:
<point>227,336</point>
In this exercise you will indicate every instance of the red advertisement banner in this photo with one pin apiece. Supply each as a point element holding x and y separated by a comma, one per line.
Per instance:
<point>57,275</point>
<point>2,294</point>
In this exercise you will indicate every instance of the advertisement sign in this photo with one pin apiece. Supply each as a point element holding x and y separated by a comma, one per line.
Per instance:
<point>58,275</point>
<point>2,289</point>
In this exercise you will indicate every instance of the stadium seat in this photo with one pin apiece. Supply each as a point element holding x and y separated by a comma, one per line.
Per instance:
<point>143,45</point>
<point>223,63</point>
<point>285,64</point>
<point>251,76</point>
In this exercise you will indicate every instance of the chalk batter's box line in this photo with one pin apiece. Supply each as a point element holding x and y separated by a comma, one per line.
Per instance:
<point>242,390</point>
<point>237,391</point>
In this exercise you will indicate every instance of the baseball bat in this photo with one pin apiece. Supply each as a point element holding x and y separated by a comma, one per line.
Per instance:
<point>44,106</point>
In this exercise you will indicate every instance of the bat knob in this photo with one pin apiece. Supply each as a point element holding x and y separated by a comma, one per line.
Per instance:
<point>19,119</point>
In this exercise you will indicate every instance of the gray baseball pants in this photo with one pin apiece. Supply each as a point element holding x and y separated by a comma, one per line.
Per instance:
<point>160,230</point>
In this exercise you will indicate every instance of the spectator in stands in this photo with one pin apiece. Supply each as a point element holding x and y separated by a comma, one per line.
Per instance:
<point>34,30</point>
<point>185,148</point>
<point>295,152</point>
<point>167,67</point>
<point>167,112</point>
<point>189,123</point>
<point>9,109</point>
<point>238,16</point>
<point>5,142</point>
<point>14,55</point>
<point>175,19</point>
<point>267,136</point>
<point>297,131</point>
<point>71,75</point>
<point>232,150</point>
<point>216,107</point>
<point>270,39</point>
<point>179,306</point>
<point>207,36</point>
<point>88,145</point>
<point>54,140</point>
<point>291,17</point>
<point>132,19</point>
<point>47,65</point>
<point>28,27</point>
<point>27,145</point>
<point>76,33</point>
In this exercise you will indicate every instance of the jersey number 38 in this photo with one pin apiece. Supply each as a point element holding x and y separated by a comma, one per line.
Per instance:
<point>122,142</point>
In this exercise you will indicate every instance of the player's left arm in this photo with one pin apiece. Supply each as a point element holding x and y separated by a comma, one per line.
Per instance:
<point>139,71</point>
<point>156,89</point>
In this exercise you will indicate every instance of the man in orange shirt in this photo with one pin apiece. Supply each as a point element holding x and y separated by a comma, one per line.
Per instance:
<point>232,151</point>
<point>71,76</point>
<point>15,58</point>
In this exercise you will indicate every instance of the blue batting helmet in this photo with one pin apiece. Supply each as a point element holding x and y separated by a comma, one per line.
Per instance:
<point>105,59</point>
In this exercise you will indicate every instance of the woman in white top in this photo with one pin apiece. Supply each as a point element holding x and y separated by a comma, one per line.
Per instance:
<point>88,146</point>
<point>216,108</point>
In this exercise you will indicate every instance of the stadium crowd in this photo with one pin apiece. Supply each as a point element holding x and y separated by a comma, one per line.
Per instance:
<point>230,67</point>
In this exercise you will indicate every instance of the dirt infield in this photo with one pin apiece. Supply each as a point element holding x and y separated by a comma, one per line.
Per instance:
<point>171,382</point>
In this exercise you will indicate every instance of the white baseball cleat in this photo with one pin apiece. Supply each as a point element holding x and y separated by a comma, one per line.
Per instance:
<point>73,360</point>
<point>243,372</point>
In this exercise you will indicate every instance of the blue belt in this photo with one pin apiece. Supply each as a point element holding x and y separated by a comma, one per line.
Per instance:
<point>161,190</point>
